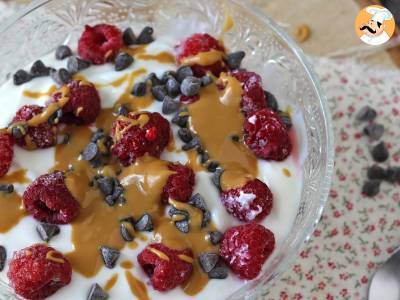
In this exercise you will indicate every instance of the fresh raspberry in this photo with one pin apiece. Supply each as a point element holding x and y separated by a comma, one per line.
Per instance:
<point>83,105</point>
<point>38,271</point>
<point>48,199</point>
<point>133,139</point>
<point>166,274</point>
<point>201,43</point>
<point>253,97</point>
<point>42,136</point>
<point>179,185</point>
<point>100,43</point>
<point>245,248</point>
<point>250,203</point>
<point>189,99</point>
<point>6,153</point>
<point>266,135</point>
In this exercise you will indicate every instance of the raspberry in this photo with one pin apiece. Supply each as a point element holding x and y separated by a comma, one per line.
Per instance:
<point>83,105</point>
<point>6,153</point>
<point>180,185</point>
<point>253,97</point>
<point>138,134</point>
<point>252,202</point>
<point>100,43</point>
<point>42,136</point>
<point>201,43</point>
<point>267,136</point>
<point>189,99</point>
<point>245,248</point>
<point>166,274</point>
<point>48,199</point>
<point>38,271</point>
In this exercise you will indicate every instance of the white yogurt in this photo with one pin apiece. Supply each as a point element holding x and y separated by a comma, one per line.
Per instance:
<point>286,190</point>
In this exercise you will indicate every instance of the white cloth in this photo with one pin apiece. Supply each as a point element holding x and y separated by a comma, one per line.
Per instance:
<point>379,14</point>
<point>375,40</point>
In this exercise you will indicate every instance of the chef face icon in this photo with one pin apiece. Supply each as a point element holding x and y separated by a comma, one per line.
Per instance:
<point>375,25</point>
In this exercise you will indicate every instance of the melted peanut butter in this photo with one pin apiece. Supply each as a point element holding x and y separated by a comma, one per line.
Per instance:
<point>162,57</point>
<point>127,264</point>
<point>11,211</point>
<point>111,282</point>
<point>18,176</point>
<point>193,161</point>
<point>37,95</point>
<point>134,51</point>
<point>203,58</point>
<point>138,288</point>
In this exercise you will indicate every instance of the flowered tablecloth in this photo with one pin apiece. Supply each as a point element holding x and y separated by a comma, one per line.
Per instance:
<point>356,234</point>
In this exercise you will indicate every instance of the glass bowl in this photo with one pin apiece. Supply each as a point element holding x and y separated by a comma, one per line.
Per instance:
<point>39,28</point>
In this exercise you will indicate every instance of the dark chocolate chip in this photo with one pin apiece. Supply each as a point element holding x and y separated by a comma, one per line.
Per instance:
<point>393,174</point>
<point>181,118</point>
<point>286,119</point>
<point>145,223</point>
<point>110,256</point>
<point>118,190</point>
<point>190,86</point>
<point>204,157</point>
<point>216,178</point>
<point>123,61</point>
<point>3,257</point>
<point>39,69</point>
<point>129,37</point>
<point>62,52</point>
<point>194,143</point>
<point>110,200</point>
<point>212,166</point>
<point>47,231</point>
<point>159,92</point>
<point>61,76</point>
<point>371,188</point>
<point>75,64</point>
<point>146,36</point>
<point>215,237</point>
<point>183,72</point>
<point>90,152</point>
<point>173,87</point>
<point>376,172</point>
<point>182,226</point>
<point>65,139</point>
<point>167,75</point>
<point>125,232</point>
<point>271,101</point>
<point>55,117</point>
<point>152,77</point>
<point>96,292</point>
<point>234,59</point>
<point>374,131</point>
<point>21,77</point>
<point>206,218</point>
<point>18,131</point>
<point>185,135</point>
<point>170,105</point>
<point>198,201</point>
<point>379,152</point>
<point>105,185</point>
<point>220,271</point>
<point>7,188</point>
<point>173,211</point>
<point>235,138</point>
<point>123,111</point>
<point>206,80</point>
<point>98,135</point>
<point>139,89</point>
<point>208,261</point>
<point>366,113</point>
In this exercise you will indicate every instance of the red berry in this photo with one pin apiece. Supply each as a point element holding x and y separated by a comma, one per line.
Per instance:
<point>131,136</point>
<point>252,202</point>
<point>167,268</point>
<point>48,199</point>
<point>41,136</point>
<point>267,136</point>
<point>245,248</point>
<point>100,43</point>
<point>179,185</point>
<point>189,99</point>
<point>38,271</point>
<point>6,153</point>
<point>253,97</point>
<point>83,105</point>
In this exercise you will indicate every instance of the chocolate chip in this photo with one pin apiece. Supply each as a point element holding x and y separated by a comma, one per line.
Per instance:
<point>181,118</point>
<point>97,293</point>
<point>170,105</point>
<point>139,89</point>
<point>105,185</point>
<point>208,261</point>
<point>370,188</point>
<point>123,111</point>
<point>159,92</point>
<point>393,174</point>
<point>98,135</point>
<point>62,52</point>
<point>3,257</point>
<point>204,157</point>
<point>234,59</point>
<point>110,200</point>
<point>286,119</point>
<point>47,231</point>
<point>18,131</point>
<point>173,211</point>
<point>235,138</point>
<point>220,271</point>
<point>185,135</point>
<point>61,76</point>
<point>75,64</point>
<point>190,86</point>
<point>110,256</point>
<point>146,36</point>
<point>206,218</point>
<point>128,219</point>
<point>206,80</point>
<point>39,69</point>
<point>152,77</point>
<point>366,113</point>
<point>198,201</point>
<point>173,87</point>
<point>212,166</point>
<point>379,152</point>
<point>194,143</point>
<point>55,117</point>
<point>129,37</point>
<point>145,223</point>
<point>125,233</point>
<point>90,152</point>
<point>215,237</point>
<point>183,72</point>
<point>182,226</point>
<point>271,101</point>
<point>167,75</point>
<point>7,188</point>
<point>374,131</point>
<point>21,77</point>
<point>65,139</point>
<point>123,61</point>
<point>118,190</point>
<point>216,178</point>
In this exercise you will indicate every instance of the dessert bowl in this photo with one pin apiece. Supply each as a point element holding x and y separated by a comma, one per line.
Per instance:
<point>41,27</point>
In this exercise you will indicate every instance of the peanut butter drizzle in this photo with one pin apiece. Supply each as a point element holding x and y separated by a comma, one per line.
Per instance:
<point>215,117</point>
<point>193,161</point>
<point>286,172</point>
<point>18,176</point>
<point>111,282</point>
<point>127,264</point>
<point>37,95</point>
<point>162,57</point>
<point>228,23</point>
<point>51,256</point>
<point>116,83</point>
<point>203,58</point>
<point>11,211</point>
<point>134,51</point>
<point>138,288</point>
